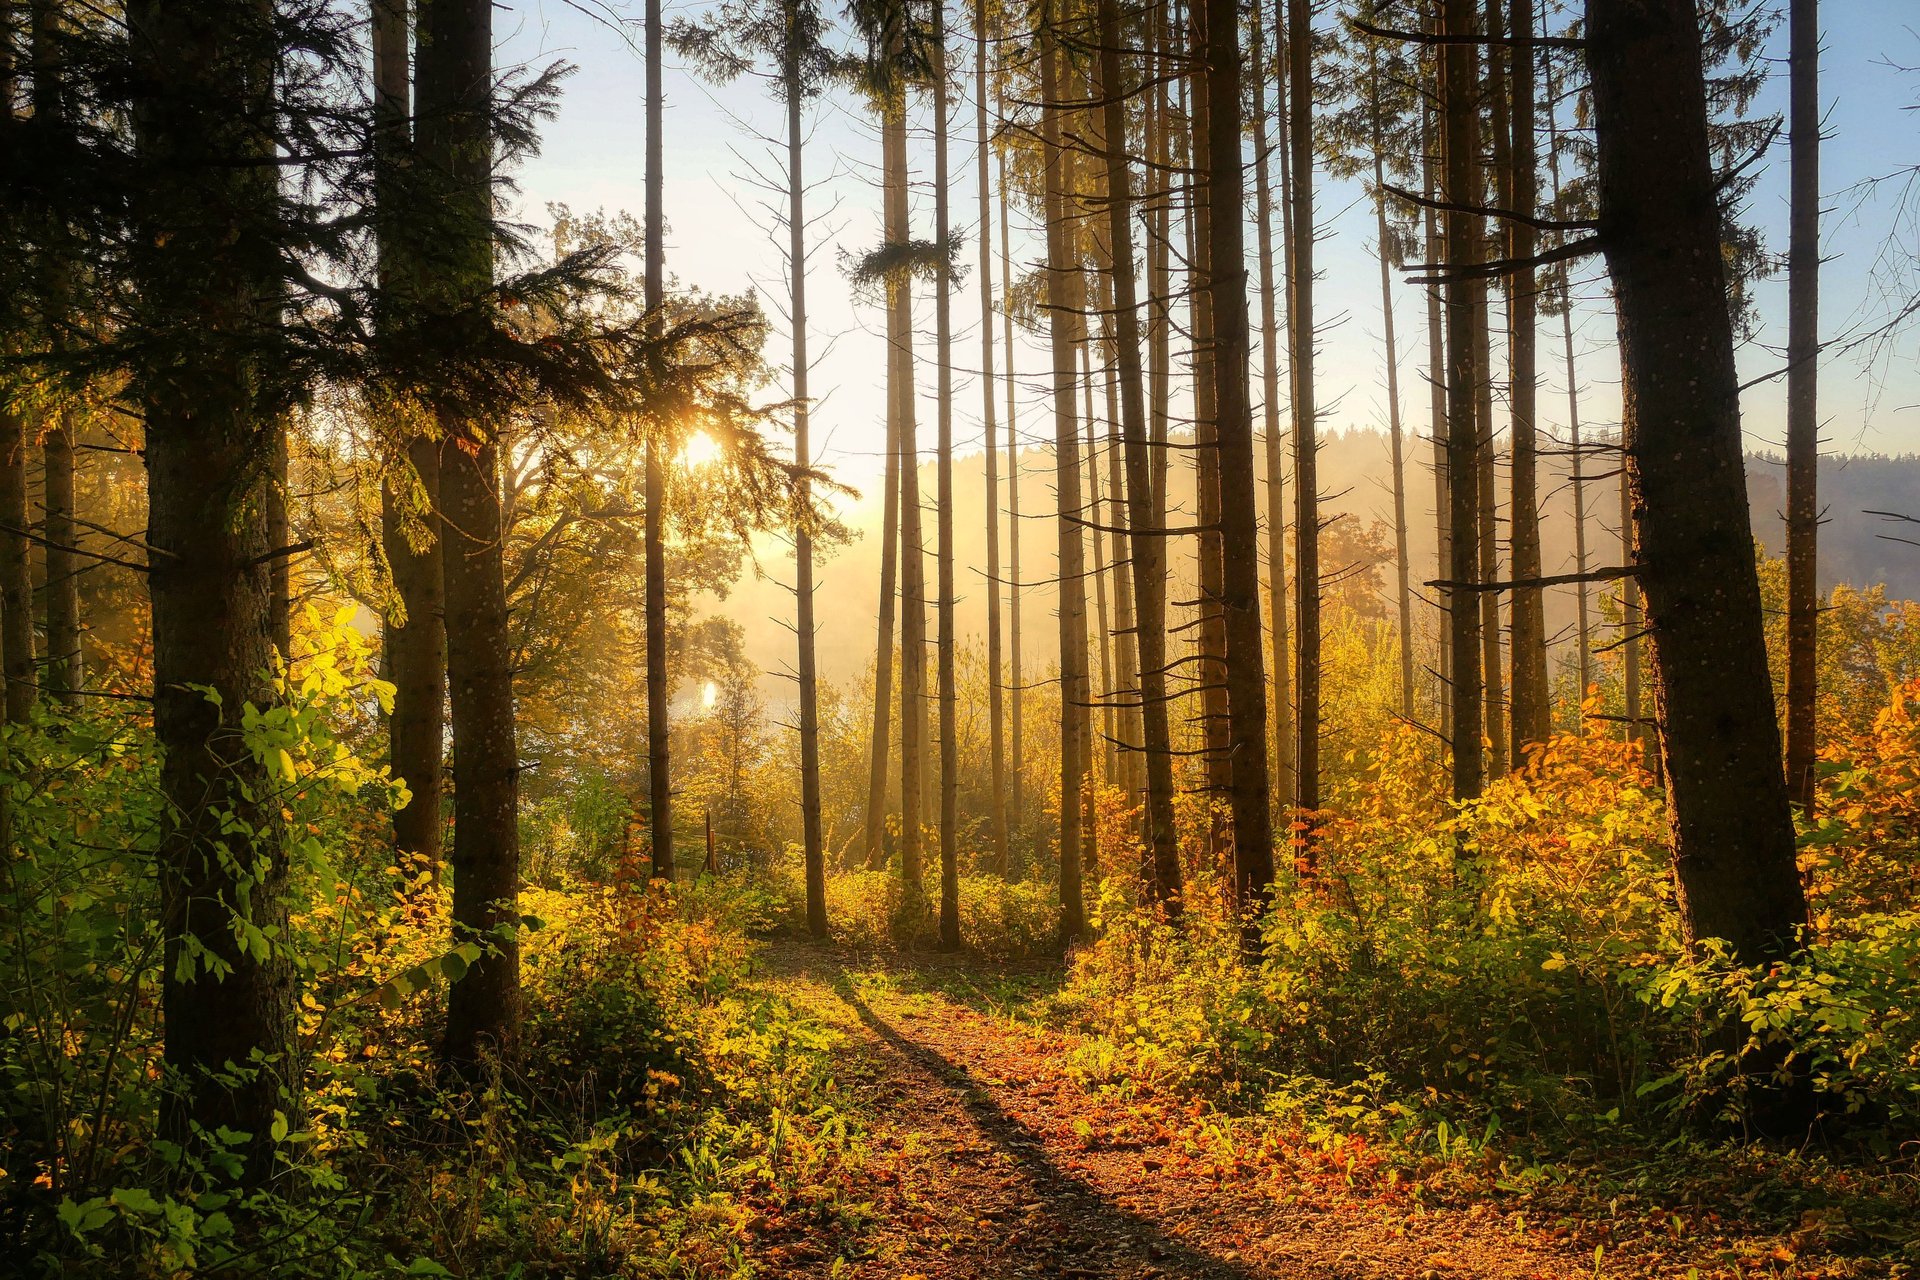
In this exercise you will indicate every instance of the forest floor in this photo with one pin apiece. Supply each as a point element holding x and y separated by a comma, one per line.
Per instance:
<point>989,1160</point>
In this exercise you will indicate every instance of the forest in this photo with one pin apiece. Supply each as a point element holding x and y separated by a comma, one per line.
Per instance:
<point>1281,642</point>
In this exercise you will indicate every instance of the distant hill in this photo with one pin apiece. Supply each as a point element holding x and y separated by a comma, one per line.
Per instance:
<point>1356,483</point>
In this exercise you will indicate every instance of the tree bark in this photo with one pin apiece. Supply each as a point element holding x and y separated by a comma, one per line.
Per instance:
<point>1015,670</point>
<point>455,75</point>
<point>1239,510</point>
<point>1402,570</point>
<point>415,636</point>
<point>1063,326</point>
<point>1532,705</point>
<point>1282,659</point>
<point>812,840</point>
<point>16,572</point>
<point>1465,300</point>
<point>1306,425</point>
<point>943,348</point>
<point>1146,542</point>
<point>879,768</point>
<point>65,672</point>
<point>1207,362</point>
<point>1732,831</point>
<point>1803,397</point>
<point>659,688</point>
<point>203,258</point>
<point>996,714</point>
<point>913,561</point>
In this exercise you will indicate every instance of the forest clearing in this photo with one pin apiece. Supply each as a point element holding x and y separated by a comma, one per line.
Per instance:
<point>897,640</point>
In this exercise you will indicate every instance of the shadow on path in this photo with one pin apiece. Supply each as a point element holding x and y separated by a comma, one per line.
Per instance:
<point>1084,1233</point>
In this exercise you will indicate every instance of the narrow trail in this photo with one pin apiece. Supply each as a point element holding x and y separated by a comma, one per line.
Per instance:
<point>990,1161</point>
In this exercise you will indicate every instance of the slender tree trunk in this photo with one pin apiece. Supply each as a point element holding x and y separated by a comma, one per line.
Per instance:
<point>812,841</point>
<point>1532,709</point>
<point>455,70</point>
<point>202,265</point>
<point>1465,297</point>
<point>1402,569</point>
<point>1159,215</point>
<point>1306,436</point>
<point>654,533</point>
<point>996,716</point>
<point>1103,632</point>
<point>1803,398</point>
<point>1126,657</point>
<point>65,667</point>
<point>913,558</point>
<point>1063,324</point>
<point>415,635</point>
<point>882,734</point>
<point>1239,510</point>
<point>943,342</point>
<point>1493,91</point>
<point>1437,425</point>
<point>1632,621</point>
<point>1583,598</point>
<point>279,538</point>
<point>1283,731</point>
<point>1145,540</point>
<point>1207,362</point>
<point>1015,670</point>
<point>16,571</point>
<point>1732,831</point>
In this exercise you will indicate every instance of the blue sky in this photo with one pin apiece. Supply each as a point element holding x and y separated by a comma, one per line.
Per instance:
<point>722,240</point>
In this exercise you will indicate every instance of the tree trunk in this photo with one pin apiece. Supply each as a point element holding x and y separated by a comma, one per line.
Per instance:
<point>1437,426</point>
<point>1583,598</point>
<point>1492,669</point>
<point>414,638</point>
<point>455,72</point>
<point>1465,296</point>
<point>1102,635</point>
<point>65,671</point>
<point>913,561</point>
<point>1207,362</point>
<point>1532,707</point>
<point>1402,570</point>
<point>65,668</point>
<point>1016,672</point>
<point>879,769</point>
<point>1583,604</point>
<point>1146,542</point>
<point>812,841</point>
<point>1063,326</point>
<point>203,258</point>
<point>1239,510</point>
<point>279,538</point>
<point>943,345</point>
<point>990,448</point>
<point>1283,731</point>
<point>1803,398</point>
<point>1732,831</point>
<point>1306,434</point>
<point>659,690</point>
<point>16,571</point>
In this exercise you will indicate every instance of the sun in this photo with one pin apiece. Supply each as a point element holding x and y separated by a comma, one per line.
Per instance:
<point>700,450</point>
<point>709,696</point>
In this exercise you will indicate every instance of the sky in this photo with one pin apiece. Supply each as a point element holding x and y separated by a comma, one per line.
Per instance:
<point>722,236</point>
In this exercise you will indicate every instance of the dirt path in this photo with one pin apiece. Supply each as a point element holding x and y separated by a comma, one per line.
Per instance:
<point>991,1162</point>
